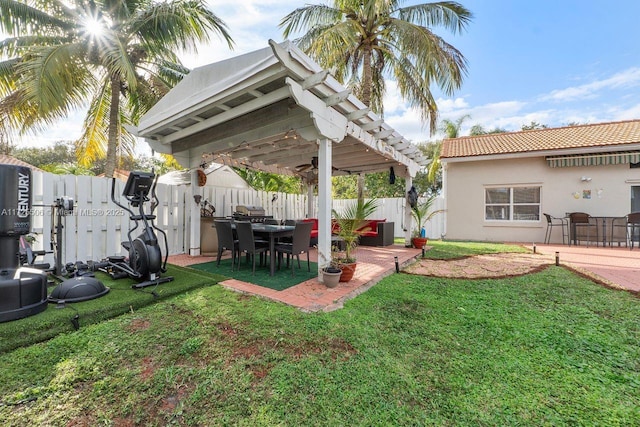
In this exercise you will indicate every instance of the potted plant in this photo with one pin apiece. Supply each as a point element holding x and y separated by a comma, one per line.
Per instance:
<point>349,228</point>
<point>331,275</point>
<point>422,214</point>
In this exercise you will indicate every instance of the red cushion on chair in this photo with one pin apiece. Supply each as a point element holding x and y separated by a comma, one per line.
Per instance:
<point>314,228</point>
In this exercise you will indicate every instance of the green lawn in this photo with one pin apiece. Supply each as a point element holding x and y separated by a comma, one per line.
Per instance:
<point>120,299</point>
<point>550,348</point>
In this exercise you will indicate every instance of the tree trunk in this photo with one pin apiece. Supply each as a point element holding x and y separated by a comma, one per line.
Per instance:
<point>366,77</point>
<point>366,99</point>
<point>114,128</point>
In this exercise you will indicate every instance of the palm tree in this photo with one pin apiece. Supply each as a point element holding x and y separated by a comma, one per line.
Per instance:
<point>115,58</point>
<point>362,42</point>
<point>451,129</point>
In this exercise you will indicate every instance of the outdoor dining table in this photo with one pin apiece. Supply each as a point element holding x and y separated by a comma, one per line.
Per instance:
<point>604,223</point>
<point>273,233</point>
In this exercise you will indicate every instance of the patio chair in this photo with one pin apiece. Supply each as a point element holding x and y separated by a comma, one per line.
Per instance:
<point>248,245</point>
<point>289,223</point>
<point>299,245</point>
<point>618,228</point>
<point>553,221</point>
<point>226,240</point>
<point>272,221</point>
<point>633,227</point>
<point>581,224</point>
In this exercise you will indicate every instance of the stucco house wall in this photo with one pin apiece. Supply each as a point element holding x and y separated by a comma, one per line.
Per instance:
<point>591,168</point>
<point>561,191</point>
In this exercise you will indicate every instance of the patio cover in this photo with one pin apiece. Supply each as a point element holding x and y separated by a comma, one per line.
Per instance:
<point>274,110</point>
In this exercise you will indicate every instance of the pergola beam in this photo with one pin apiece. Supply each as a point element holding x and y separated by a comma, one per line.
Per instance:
<point>315,80</point>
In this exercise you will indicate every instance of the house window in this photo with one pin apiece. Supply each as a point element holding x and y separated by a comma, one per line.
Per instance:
<point>512,204</point>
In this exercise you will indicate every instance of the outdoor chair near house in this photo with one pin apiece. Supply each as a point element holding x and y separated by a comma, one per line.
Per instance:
<point>298,246</point>
<point>561,223</point>
<point>272,221</point>
<point>226,240</point>
<point>633,228</point>
<point>583,227</point>
<point>249,245</point>
<point>618,230</point>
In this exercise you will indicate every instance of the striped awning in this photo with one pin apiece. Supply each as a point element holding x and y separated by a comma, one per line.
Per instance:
<point>617,158</point>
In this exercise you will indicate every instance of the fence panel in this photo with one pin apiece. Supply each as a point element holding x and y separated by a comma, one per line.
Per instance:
<point>279,205</point>
<point>97,226</point>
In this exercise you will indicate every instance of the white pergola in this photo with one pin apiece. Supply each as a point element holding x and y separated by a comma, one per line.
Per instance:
<point>275,109</point>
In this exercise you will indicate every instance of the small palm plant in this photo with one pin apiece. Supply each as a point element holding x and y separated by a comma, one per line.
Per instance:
<point>350,221</point>
<point>422,213</point>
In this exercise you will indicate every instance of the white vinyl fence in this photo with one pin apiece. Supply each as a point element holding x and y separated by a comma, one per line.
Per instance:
<point>393,209</point>
<point>97,226</point>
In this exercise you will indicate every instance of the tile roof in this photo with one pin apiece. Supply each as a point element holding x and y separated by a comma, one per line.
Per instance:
<point>614,135</point>
<point>9,160</point>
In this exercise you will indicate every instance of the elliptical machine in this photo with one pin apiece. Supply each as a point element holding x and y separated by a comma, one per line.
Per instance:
<point>145,262</point>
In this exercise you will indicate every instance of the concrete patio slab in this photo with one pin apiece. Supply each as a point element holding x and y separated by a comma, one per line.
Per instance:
<point>617,267</point>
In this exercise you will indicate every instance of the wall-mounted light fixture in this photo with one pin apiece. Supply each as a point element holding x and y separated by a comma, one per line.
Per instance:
<point>585,178</point>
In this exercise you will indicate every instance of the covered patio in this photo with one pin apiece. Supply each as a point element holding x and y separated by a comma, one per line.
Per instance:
<point>276,110</point>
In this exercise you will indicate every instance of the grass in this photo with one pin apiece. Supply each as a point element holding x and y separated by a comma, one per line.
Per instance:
<point>450,249</point>
<point>549,349</point>
<point>120,299</point>
<point>280,281</point>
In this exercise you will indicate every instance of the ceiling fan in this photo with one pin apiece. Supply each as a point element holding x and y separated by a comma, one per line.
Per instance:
<point>306,167</point>
<point>311,167</point>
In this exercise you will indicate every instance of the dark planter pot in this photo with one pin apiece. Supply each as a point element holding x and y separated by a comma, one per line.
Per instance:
<point>348,270</point>
<point>419,242</point>
<point>331,276</point>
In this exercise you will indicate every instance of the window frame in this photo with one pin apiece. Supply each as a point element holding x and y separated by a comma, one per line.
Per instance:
<point>511,204</point>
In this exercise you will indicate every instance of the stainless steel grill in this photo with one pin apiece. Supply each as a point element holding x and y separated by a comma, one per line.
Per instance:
<point>250,213</point>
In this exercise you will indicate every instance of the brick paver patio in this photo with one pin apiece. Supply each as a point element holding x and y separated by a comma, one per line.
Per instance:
<point>374,263</point>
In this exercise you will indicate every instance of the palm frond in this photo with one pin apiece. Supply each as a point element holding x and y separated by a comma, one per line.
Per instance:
<point>53,78</point>
<point>309,16</point>
<point>450,15</point>
<point>7,75</point>
<point>92,144</point>
<point>179,24</point>
<point>363,42</point>
<point>52,64</point>
<point>16,17</point>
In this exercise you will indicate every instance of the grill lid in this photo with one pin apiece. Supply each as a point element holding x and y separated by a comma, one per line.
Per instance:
<point>250,210</point>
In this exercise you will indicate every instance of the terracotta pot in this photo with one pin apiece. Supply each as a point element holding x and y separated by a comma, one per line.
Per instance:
<point>331,276</point>
<point>419,242</point>
<point>348,270</point>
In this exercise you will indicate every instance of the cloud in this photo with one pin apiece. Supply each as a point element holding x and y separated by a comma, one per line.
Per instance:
<point>451,106</point>
<point>629,113</point>
<point>251,23</point>
<point>625,79</point>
